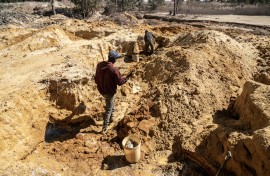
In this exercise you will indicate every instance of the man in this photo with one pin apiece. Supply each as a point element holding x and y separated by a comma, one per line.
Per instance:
<point>107,78</point>
<point>149,41</point>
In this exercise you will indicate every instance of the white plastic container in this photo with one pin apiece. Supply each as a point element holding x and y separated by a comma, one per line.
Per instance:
<point>133,152</point>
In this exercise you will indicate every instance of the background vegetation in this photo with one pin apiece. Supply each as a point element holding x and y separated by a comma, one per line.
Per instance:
<point>218,8</point>
<point>173,7</point>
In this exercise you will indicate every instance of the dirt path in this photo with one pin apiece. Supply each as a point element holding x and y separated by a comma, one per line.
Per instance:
<point>253,20</point>
<point>239,19</point>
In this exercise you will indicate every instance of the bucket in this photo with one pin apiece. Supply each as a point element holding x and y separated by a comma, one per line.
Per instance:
<point>132,148</point>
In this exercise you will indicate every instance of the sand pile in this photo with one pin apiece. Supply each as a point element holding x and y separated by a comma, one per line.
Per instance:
<point>189,84</point>
<point>40,42</point>
<point>13,34</point>
<point>195,83</point>
<point>123,19</point>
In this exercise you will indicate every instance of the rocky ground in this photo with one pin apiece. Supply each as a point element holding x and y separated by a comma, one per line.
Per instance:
<point>204,92</point>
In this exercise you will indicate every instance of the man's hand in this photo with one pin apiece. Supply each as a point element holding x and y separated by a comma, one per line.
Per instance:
<point>130,74</point>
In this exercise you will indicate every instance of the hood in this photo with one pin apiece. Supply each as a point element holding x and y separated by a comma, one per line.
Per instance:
<point>104,65</point>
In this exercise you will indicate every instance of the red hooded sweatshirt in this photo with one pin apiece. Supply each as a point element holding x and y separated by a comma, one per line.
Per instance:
<point>108,77</point>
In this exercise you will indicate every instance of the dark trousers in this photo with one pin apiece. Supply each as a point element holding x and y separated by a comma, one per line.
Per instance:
<point>110,108</point>
<point>146,47</point>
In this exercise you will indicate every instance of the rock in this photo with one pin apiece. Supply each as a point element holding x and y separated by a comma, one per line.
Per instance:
<point>194,104</point>
<point>125,91</point>
<point>132,124</point>
<point>105,167</point>
<point>146,125</point>
<point>92,144</point>
<point>253,105</point>
<point>129,144</point>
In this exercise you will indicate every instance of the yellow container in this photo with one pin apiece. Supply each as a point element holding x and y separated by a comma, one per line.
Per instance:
<point>132,148</point>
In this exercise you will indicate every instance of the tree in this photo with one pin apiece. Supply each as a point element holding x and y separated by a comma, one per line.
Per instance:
<point>87,7</point>
<point>53,6</point>
<point>154,4</point>
<point>175,6</point>
<point>140,2</point>
<point>122,5</point>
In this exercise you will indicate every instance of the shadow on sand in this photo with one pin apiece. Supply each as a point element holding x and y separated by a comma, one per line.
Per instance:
<point>114,162</point>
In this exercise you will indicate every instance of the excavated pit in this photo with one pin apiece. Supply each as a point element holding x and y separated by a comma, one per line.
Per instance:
<point>64,132</point>
<point>190,102</point>
<point>88,35</point>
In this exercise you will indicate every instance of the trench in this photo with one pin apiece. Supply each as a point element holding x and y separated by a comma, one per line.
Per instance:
<point>65,129</point>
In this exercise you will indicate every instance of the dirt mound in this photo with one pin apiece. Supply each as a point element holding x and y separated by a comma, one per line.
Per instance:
<point>190,83</point>
<point>52,36</point>
<point>41,41</point>
<point>219,41</point>
<point>12,34</point>
<point>123,19</point>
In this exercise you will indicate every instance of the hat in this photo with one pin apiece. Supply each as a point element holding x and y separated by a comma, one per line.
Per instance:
<point>114,54</point>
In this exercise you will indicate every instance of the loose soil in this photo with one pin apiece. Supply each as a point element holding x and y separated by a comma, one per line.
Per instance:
<point>204,92</point>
